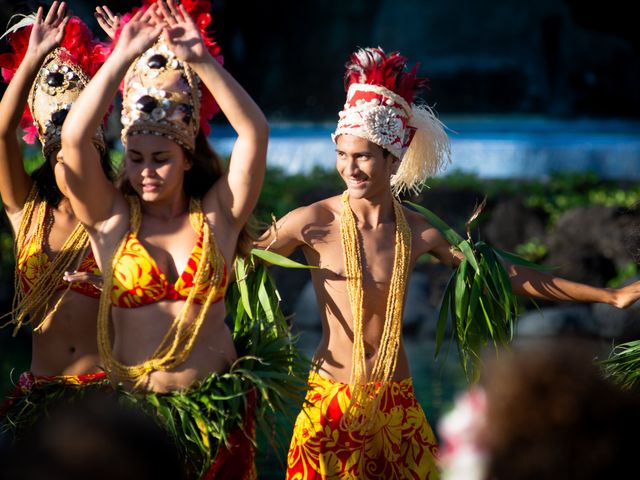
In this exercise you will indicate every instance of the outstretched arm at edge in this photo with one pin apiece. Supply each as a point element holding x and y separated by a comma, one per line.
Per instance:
<point>536,284</point>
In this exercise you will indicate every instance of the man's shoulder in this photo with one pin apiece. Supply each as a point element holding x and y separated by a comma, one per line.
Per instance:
<point>322,210</point>
<point>416,220</point>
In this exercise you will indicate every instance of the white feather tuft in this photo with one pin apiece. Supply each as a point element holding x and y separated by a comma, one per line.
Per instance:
<point>25,21</point>
<point>428,153</point>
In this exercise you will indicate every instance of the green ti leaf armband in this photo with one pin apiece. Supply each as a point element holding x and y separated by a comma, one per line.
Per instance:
<point>478,300</point>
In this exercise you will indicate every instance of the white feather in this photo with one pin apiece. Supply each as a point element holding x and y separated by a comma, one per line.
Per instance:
<point>25,21</point>
<point>428,153</point>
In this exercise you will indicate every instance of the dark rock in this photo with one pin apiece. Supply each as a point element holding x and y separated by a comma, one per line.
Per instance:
<point>453,205</point>
<point>513,223</point>
<point>589,244</point>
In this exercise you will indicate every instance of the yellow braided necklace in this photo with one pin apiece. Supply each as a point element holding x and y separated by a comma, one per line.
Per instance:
<point>177,343</point>
<point>35,303</point>
<point>366,391</point>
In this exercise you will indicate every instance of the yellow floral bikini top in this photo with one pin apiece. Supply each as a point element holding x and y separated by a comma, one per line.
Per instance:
<point>32,262</point>
<point>138,281</point>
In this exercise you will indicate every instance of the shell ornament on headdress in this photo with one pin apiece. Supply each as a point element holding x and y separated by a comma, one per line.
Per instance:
<point>63,75</point>
<point>380,107</point>
<point>163,95</point>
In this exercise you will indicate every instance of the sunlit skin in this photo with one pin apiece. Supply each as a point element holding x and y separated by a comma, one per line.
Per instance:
<point>362,164</point>
<point>66,342</point>
<point>155,168</point>
<point>316,230</point>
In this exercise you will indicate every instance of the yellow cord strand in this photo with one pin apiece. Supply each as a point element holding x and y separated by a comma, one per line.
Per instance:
<point>35,304</point>
<point>178,342</point>
<point>367,390</point>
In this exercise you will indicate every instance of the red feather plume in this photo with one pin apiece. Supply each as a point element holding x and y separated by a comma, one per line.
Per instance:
<point>374,67</point>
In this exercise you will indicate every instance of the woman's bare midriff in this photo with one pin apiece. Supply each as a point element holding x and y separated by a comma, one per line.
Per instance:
<point>139,331</point>
<point>67,343</point>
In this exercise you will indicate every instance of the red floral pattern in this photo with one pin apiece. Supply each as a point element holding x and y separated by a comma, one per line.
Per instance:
<point>33,262</point>
<point>138,281</point>
<point>401,445</point>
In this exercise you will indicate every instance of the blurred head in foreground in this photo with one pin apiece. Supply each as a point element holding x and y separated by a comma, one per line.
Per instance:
<point>93,438</point>
<point>542,412</point>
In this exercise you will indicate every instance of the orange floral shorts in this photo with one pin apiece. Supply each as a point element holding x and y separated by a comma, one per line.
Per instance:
<point>401,445</point>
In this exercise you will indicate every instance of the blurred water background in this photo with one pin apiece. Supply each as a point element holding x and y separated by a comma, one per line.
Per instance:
<point>489,147</point>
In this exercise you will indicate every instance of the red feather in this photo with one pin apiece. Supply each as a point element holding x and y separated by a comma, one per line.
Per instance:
<point>374,67</point>
<point>9,62</point>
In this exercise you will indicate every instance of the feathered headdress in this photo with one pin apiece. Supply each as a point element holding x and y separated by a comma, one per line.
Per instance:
<point>63,75</point>
<point>380,107</point>
<point>161,94</point>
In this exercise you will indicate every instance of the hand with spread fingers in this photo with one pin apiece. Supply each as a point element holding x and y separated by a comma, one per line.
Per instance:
<point>108,21</point>
<point>140,32</point>
<point>47,32</point>
<point>182,33</point>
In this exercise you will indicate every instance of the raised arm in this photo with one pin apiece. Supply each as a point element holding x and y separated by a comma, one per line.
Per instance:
<point>536,284</point>
<point>46,34</point>
<point>92,195</point>
<point>237,191</point>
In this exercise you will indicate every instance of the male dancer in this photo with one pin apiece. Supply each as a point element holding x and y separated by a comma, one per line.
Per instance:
<point>362,419</point>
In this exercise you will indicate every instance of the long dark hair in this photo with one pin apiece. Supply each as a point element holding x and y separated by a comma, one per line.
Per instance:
<point>45,179</point>
<point>206,169</point>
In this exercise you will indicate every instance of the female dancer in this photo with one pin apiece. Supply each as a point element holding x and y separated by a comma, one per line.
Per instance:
<point>166,240</point>
<point>49,237</point>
